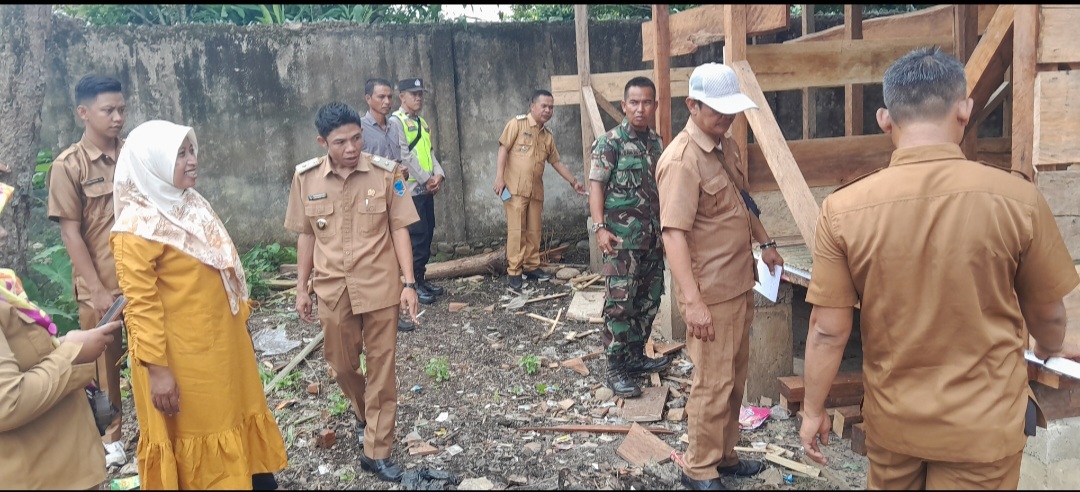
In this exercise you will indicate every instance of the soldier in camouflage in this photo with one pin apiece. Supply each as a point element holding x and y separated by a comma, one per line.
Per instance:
<point>625,208</point>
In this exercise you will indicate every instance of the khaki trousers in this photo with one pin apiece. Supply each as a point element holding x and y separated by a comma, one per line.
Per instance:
<point>374,396</point>
<point>893,471</point>
<point>716,395</point>
<point>108,373</point>
<point>523,215</point>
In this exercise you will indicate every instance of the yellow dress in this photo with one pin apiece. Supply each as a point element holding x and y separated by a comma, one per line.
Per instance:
<point>178,316</point>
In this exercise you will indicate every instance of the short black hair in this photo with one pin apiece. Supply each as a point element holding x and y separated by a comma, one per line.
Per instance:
<point>537,93</point>
<point>90,86</point>
<point>638,82</point>
<point>923,84</point>
<point>335,115</point>
<point>371,84</point>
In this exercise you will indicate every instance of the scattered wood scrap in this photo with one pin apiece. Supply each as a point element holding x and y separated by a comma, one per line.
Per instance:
<point>843,418</point>
<point>485,263</point>
<point>641,447</point>
<point>577,365</point>
<point>858,439</point>
<point>538,299</point>
<point>554,323</point>
<point>793,465</point>
<point>573,335</point>
<point>649,407</point>
<point>596,429</point>
<point>847,389</point>
<point>311,346</point>
<point>667,348</point>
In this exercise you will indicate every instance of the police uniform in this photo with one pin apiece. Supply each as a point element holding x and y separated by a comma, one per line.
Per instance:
<point>422,164</point>
<point>80,185</point>
<point>356,279</point>
<point>530,147</point>
<point>699,185</point>
<point>941,250</point>
<point>625,162</point>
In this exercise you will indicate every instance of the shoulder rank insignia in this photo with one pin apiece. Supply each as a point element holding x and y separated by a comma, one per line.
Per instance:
<point>383,163</point>
<point>845,185</point>
<point>307,165</point>
<point>520,116</point>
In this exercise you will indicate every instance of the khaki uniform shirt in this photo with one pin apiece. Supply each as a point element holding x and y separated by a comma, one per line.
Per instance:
<point>47,430</point>
<point>80,184</point>
<point>698,195</point>
<point>530,148</point>
<point>939,249</point>
<point>351,219</point>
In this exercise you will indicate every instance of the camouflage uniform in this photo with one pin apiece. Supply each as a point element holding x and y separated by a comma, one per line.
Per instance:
<point>626,163</point>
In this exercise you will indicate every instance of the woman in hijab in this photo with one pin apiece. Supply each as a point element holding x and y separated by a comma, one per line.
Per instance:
<point>47,430</point>
<point>203,418</point>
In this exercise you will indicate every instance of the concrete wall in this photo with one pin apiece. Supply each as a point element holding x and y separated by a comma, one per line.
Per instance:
<point>251,94</point>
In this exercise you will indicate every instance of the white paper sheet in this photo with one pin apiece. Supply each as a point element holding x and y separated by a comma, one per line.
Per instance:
<point>1059,365</point>
<point>768,284</point>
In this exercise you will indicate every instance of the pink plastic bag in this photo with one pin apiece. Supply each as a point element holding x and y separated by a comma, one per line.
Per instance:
<point>751,417</point>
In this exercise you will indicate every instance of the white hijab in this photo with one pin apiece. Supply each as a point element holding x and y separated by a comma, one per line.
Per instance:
<point>147,204</point>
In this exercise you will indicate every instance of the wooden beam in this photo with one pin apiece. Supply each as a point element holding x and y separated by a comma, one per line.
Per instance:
<point>1025,38</point>
<point>662,72</point>
<point>593,113</point>
<point>796,193</point>
<point>1057,33</point>
<point>780,67</point>
<point>965,37</point>
<point>996,100</point>
<point>836,161</point>
<point>853,93</point>
<point>704,25</point>
<point>735,51</point>
<point>925,23</point>
<point>809,95</point>
<point>608,108</point>
<point>1056,118</point>
<point>844,384</point>
<point>985,69</point>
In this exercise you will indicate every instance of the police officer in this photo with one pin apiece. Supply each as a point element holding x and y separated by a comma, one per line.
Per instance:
<point>524,146</point>
<point>707,230</point>
<point>425,180</point>
<point>625,208</point>
<point>950,259</point>
<point>349,209</point>
<point>80,184</point>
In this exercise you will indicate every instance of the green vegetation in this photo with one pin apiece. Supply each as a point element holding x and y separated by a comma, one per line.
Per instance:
<point>544,389</point>
<point>531,363</point>
<point>338,403</point>
<point>262,260</point>
<point>50,287</point>
<point>246,14</point>
<point>438,368</point>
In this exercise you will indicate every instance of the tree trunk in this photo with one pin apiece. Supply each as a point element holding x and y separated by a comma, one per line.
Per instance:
<point>487,263</point>
<point>24,34</point>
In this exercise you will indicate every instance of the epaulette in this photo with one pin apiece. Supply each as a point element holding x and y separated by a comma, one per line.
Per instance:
<point>65,153</point>
<point>521,116</point>
<point>383,163</point>
<point>1014,172</point>
<point>845,185</point>
<point>308,165</point>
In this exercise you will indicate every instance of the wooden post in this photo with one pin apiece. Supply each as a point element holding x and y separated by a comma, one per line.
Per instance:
<point>853,94</point>
<point>662,71</point>
<point>965,37</point>
<point>1025,39</point>
<point>735,51</point>
<point>588,133</point>
<point>809,101</point>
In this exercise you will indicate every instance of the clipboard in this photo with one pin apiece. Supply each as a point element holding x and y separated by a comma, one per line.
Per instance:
<point>114,312</point>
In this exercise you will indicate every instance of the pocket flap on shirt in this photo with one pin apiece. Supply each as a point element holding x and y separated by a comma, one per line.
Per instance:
<point>318,209</point>
<point>713,186</point>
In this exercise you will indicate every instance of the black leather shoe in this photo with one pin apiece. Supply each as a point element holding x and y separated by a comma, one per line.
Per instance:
<point>617,378</point>
<point>637,363</point>
<point>537,275</point>
<point>404,324</point>
<point>515,282</point>
<point>430,287</point>
<point>712,484</point>
<point>424,296</point>
<point>384,469</point>
<point>745,468</point>
<point>360,427</point>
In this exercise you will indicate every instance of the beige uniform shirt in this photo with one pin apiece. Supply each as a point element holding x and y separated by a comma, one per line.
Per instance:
<point>351,219</point>
<point>939,249</point>
<point>531,147</point>
<point>697,195</point>
<point>80,184</point>
<point>47,431</point>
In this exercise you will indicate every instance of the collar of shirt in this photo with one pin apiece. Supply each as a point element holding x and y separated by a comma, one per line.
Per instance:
<point>926,153</point>
<point>92,151</point>
<point>629,132</point>
<point>370,119</point>
<point>700,138</point>
<point>326,168</point>
<point>532,122</point>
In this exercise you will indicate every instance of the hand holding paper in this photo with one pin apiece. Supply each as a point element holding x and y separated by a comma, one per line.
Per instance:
<point>768,284</point>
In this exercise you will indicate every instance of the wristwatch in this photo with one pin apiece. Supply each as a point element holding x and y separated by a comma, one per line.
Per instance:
<point>597,226</point>
<point>410,285</point>
<point>770,244</point>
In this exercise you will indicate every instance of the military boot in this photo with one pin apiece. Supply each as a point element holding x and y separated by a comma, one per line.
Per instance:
<point>617,378</point>
<point>637,363</point>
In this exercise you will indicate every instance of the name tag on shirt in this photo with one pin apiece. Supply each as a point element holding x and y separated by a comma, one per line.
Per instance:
<point>94,181</point>
<point>318,196</point>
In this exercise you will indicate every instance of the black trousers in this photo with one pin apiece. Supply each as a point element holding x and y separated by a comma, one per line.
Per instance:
<point>421,233</point>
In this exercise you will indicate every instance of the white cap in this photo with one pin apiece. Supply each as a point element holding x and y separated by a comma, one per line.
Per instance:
<point>716,85</point>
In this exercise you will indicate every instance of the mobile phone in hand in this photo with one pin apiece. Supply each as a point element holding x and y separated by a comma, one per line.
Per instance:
<point>505,194</point>
<point>114,312</point>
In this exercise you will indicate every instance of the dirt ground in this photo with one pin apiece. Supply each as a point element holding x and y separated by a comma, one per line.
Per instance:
<point>473,417</point>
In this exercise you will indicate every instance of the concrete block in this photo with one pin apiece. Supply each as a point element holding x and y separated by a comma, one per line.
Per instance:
<point>1052,457</point>
<point>1059,188</point>
<point>1063,475</point>
<point>1032,474</point>
<point>770,345</point>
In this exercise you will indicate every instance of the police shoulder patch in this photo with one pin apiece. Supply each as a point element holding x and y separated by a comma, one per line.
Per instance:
<point>383,163</point>
<point>307,165</point>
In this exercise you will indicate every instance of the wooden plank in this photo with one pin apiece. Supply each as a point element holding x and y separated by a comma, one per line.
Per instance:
<point>705,25</point>
<point>607,107</point>
<point>649,407</point>
<point>843,418</point>
<point>858,439</point>
<point>1057,34</point>
<point>641,447</point>
<point>735,17</point>
<point>662,71</point>
<point>1056,122</point>
<point>926,23</point>
<point>796,193</point>
<point>965,38</point>
<point>985,69</point>
<point>845,384</point>
<point>596,429</point>
<point>809,96</point>
<point>596,124</point>
<point>583,79</point>
<point>779,67</point>
<point>1025,37</point>
<point>1058,403</point>
<point>853,93</point>
<point>794,465</point>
